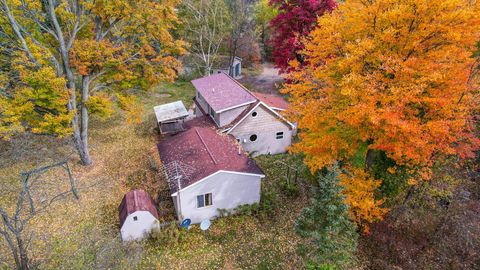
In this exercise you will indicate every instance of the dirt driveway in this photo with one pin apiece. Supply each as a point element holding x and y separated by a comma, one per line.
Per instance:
<point>268,81</point>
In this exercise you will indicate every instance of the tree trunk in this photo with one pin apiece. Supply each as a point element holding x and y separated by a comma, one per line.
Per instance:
<point>23,262</point>
<point>81,134</point>
<point>82,146</point>
<point>80,124</point>
<point>264,46</point>
<point>12,247</point>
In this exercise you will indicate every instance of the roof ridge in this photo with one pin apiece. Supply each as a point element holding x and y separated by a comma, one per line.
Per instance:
<point>206,146</point>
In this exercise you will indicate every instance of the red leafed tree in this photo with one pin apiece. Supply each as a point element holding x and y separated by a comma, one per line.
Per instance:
<point>294,21</point>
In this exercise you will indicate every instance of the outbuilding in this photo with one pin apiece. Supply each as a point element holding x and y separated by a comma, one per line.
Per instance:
<point>138,215</point>
<point>170,117</point>
<point>224,64</point>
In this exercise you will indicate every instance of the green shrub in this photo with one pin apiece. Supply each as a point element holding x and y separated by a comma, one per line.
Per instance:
<point>268,203</point>
<point>248,209</point>
<point>168,235</point>
<point>264,209</point>
<point>290,188</point>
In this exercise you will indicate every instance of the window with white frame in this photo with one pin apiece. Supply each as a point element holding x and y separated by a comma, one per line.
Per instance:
<point>204,200</point>
<point>279,135</point>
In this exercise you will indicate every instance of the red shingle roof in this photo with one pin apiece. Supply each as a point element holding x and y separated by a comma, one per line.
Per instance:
<point>136,200</point>
<point>203,152</point>
<point>272,100</point>
<point>222,92</point>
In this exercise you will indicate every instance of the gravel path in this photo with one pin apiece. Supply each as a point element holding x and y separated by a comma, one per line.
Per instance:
<point>268,81</point>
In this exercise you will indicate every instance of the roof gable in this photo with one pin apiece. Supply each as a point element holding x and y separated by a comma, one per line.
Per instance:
<point>247,112</point>
<point>222,92</point>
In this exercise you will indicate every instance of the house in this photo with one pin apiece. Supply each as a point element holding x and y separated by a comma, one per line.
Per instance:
<point>221,64</point>
<point>254,119</point>
<point>170,117</point>
<point>207,170</point>
<point>138,215</point>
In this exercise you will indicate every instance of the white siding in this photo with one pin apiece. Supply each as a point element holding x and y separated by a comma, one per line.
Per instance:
<point>265,125</point>
<point>227,117</point>
<point>137,229</point>
<point>229,190</point>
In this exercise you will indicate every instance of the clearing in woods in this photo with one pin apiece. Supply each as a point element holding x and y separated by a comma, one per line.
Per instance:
<point>83,234</point>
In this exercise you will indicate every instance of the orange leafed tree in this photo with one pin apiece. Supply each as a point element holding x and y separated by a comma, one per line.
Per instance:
<point>393,76</point>
<point>359,191</point>
<point>396,75</point>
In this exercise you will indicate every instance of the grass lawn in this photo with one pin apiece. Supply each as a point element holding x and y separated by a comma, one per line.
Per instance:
<point>84,233</point>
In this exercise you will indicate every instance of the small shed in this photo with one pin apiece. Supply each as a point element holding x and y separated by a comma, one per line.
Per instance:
<point>170,117</point>
<point>223,64</point>
<point>138,215</point>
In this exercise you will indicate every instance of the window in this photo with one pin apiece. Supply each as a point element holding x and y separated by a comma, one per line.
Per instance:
<point>204,200</point>
<point>135,218</point>
<point>254,114</point>
<point>279,135</point>
<point>253,138</point>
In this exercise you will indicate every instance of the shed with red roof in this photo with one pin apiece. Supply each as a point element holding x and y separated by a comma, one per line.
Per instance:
<point>138,215</point>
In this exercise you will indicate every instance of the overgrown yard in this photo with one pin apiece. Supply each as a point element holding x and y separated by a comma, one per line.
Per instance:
<point>83,234</point>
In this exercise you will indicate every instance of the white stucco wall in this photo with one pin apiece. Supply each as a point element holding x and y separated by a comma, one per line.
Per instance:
<point>265,125</point>
<point>228,189</point>
<point>137,229</point>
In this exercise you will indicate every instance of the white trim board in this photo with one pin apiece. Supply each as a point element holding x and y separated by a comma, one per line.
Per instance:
<point>215,173</point>
<point>236,106</point>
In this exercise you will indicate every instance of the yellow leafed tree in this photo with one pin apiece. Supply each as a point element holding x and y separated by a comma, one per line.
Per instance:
<point>359,191</point>
<point>64,60</point>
